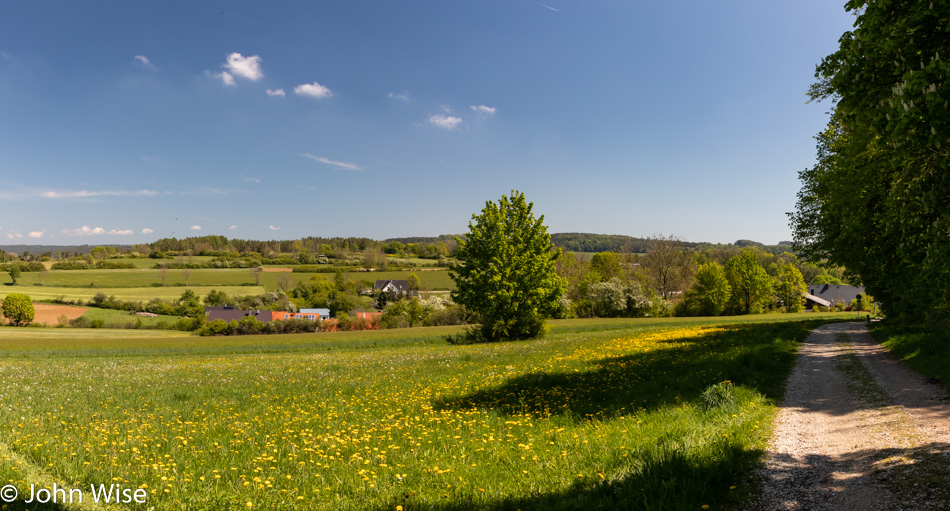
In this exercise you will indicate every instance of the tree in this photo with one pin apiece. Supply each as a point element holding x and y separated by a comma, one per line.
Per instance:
<point>14,273</point>
<point>18,309</point>
<point>878,199</point>
<point>507,277</point>
<point>256,273</point>
<point>669,266</point>
<point>414,283</point>
<point>186,275</point>
<point>710,294</point>
<point>163,273</point>
<point>790,288</point>
<point>751,286</point>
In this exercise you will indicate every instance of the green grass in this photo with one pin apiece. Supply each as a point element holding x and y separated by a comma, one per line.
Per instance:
<point>122,319</point>
<point>149,278</point>
<point>618,415</point>
<point>927,352</point>
<point>143,294</point>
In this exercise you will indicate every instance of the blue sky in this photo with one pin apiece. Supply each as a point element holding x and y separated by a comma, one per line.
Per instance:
<point>124,122</point>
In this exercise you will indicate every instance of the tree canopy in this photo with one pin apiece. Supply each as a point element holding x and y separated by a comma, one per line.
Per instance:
<point>18,308</point>
<point>878,200</point>
<point>507,276</point>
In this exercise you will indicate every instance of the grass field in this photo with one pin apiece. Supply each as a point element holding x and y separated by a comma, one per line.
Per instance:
<point>925,351</point>
<point>599,414</point>
<point>77,283</point>
<point>143,294</point>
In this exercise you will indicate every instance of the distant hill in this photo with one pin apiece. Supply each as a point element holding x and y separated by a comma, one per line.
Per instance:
<point>585,242</point>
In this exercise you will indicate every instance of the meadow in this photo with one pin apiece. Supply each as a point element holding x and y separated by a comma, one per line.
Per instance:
<point>638,414</point>
<point>144,284</point>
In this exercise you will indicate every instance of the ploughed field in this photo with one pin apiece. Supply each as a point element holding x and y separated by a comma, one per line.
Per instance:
<point>634,414</point>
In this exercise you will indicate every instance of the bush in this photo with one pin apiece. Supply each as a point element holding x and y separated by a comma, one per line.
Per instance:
<point>18,309</point>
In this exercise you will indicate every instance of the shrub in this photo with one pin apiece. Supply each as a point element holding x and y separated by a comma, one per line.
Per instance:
<point>18,309</point>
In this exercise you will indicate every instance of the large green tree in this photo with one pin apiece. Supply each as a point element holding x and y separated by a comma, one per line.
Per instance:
<point>878,200</point>
<point>710,294</point>
<point>790,288</point>
<point>18,308</point>
<point>506,276</point>
<point>751,285</point>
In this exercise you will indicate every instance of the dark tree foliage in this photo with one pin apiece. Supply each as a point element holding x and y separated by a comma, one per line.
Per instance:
<point>878,200</point>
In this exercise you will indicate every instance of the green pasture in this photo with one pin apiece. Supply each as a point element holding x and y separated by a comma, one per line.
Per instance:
<point>435,279</point>
<point>142,294</point>
<point>600,414</point>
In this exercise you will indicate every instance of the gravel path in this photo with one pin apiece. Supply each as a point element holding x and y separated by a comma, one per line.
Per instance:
<point>857,430</point>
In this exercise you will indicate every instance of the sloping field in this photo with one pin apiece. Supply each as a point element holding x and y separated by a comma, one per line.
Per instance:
<point>142,294</point>
<point>586,418</point>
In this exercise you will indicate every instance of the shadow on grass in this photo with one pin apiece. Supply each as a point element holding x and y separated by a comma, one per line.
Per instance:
<point>866,478</point>
<point>757,356</point>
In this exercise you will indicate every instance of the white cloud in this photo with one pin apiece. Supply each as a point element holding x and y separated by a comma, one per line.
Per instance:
<point>277,92</point>
<point>123,232</point>
<point>314,90</point>
<point>36,234</point>
<point>548,7</point>
<point>483,111</point>
<point>85,231</point>
<point>245,67</point>
<point>226,78</point>
<point>196,227</point>
<point>147,231</point>
<point>341,164</point>
<point>143,60</point>
<point>79,194</point>
<point>402,96</point>
<point>273,228</point>
<point>14,235</point>
<point>449,122</point>
<point>232,228</point>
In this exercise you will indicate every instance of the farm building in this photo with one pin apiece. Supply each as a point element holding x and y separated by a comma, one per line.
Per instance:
<point>392,286</point>
<point>827,295</point>
<point>230,313</point>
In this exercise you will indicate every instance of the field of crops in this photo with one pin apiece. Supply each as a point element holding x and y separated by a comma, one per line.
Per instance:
<point>634,414</point>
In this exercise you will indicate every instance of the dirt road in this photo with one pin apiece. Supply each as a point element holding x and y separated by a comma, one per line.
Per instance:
<point>857,430</point>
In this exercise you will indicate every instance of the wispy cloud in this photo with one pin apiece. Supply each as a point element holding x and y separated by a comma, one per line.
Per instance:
<point>250,179</point>
<point>36,234</point>
<point>273,228</point>
<point>225,77</point>
<point>327,161</point>
<point>195,227</point>
<point>81,194</point>
<point>147,231</point>
<point>548,7</point>
<point>158,162</point>
<point>144,62</point>
<point>14,235</point>
<point>232,228</point>
<point>483,112</point>
<point>85,231</point>
<point>449,122</point>
<point>245,67</point>
<point>276,92</point>
<point>122,232</point>
<point>401,96</point>
<point>314,90</point>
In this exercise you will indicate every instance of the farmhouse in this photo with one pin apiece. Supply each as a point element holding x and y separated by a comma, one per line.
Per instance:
<point>392,286</point>
<point>230,313</point>
<point>827,295</point>
<point>310,314</point>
